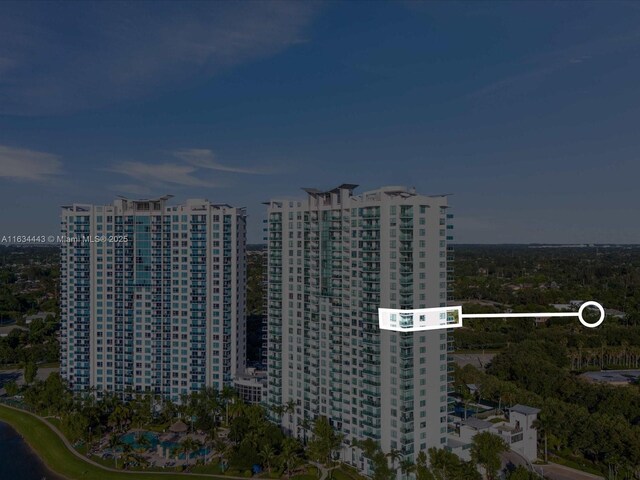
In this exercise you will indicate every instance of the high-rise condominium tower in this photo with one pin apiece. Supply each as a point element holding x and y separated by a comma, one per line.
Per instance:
<point>152,296</point>
<point>334,259</point>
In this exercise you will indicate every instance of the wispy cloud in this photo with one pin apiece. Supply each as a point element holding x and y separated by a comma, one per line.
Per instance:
<point>62,57</point>
<point>162,174</point>
<point>191,167</point>
<point>204,158</point>
<point>28,165</point>
<point>535,69</point>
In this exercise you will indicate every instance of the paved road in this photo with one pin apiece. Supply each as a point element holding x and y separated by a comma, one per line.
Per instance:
<point>553,471</point>
<point>515,459</point>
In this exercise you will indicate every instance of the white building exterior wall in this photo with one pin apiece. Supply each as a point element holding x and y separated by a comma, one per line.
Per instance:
<point>163,311</point>
<point>334,259</point>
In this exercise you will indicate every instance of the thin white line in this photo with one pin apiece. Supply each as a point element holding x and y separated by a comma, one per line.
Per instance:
<point>518,315</point>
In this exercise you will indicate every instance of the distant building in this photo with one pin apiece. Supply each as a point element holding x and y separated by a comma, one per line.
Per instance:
<point>517,431</point>
<point>611,312</point>
<point>160,306</point>
<point>6,330</point>
<point>563,306</point>
<point>37,316</point>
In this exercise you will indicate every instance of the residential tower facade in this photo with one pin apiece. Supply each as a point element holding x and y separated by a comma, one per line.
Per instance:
<point>152,296</point>
<point>333,260</point>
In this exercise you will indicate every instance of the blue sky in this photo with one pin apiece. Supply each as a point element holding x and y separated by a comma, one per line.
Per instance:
<point>528,113</point>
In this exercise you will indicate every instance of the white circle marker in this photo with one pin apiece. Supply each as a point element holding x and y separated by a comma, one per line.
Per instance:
<point>437,318</point>
<point>591,304</point>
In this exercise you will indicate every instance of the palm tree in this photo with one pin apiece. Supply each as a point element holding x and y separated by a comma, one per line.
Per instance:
<point>290,407</point>
<point>187,446</point>
<point>289,454</point>
<point>278,410</point>
<point>227,395</point>
<point>143,441</point>
<point>407,467</point>
<point>422,471</point>
<point>129,457</point>
<point>267,454</point>
<point>305,425</point>
<point>120,417</point>
<point>467,397</point>
<point>196,445</point>
<point>114,444</point>
<point>394,455</point>
<point>236,409</point>
<point>221,447</point>
<point>126,455</point>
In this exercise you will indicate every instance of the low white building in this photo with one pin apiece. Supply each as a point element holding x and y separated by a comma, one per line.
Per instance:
<point>517,430</point>
<point>252,386</point>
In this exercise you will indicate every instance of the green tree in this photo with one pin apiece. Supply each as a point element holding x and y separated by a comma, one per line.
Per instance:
<point>521,473</point>
<point>407,467</point>
<point>30,372</point>
<point>290,454</point>
<point>394,455</point>
<point>446,465</point>
<point>379,463</point>
<point>381,469</point>
<point>115,443</point>
<point>485,452</point>
<point>75,426</point>
<point>422,470</point>
<point>267,456</point>
<point>11,388</point>
<point>189,446</point>
<point>325,441</point>
<point>143,441</point>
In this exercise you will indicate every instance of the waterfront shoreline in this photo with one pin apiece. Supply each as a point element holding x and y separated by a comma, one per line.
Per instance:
<point>23,454</point>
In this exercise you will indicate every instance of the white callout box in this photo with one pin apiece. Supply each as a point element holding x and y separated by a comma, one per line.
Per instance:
<point>420,319</point>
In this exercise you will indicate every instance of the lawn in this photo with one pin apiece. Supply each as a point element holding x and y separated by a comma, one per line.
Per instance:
<point>346,473</point>
<point>58,458</point>
<point>310,474</point>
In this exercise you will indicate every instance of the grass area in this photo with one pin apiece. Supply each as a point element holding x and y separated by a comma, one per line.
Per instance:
<point>212,468</point>
<point>310,474</point>
<point>50,448</point>
<point>345,472</point>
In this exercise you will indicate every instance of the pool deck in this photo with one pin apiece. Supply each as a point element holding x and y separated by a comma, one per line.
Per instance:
<point>160,454</point>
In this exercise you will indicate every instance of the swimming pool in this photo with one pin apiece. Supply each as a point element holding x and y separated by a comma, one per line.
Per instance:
<point>131,438</point>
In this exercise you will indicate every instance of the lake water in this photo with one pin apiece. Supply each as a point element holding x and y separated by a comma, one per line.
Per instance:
<point>17,460</point>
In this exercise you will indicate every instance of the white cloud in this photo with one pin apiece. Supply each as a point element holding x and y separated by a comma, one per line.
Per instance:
<point>59,58</point>
<point>162,174</point>
<point>193,169</point>
<point>204,158</point>
<point>28,165</point>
